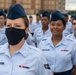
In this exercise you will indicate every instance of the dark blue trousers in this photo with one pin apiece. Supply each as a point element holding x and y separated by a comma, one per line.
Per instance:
<point>64,73</point>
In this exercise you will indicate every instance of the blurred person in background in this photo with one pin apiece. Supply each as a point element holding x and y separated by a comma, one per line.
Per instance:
<point>44,31</point>
<point>3,38</point>
<point>37,24</point>
<point>31,25</point>
<point>68,29</point>
<point>73,35</point>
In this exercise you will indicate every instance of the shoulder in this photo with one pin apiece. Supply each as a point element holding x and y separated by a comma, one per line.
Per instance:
<point>35,50</point>
<point>70,40</point>
<point>70,35</point>
<point>3,47</point>
<point>38,29</point>
<point>45,41</point>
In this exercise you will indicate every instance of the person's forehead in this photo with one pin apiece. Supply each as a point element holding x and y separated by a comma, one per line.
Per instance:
<point>44,17</point>
<point>2,16</point>
<point>58,21</point>
<point>18,20</point>
<point>74,20</point>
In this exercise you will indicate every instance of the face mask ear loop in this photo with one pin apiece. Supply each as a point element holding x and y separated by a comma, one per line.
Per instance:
<point>26,34</point>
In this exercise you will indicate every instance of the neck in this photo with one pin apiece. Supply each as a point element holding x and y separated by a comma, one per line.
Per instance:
<point>44,29</point>
<point>56,39</point>
<point>14,48</point>
<point>1,26</point>
<point>30,21</point>
<point>37,20</point>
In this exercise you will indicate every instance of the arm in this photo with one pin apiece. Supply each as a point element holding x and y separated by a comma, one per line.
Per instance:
<point>42,67</point>
<point>74,71</point>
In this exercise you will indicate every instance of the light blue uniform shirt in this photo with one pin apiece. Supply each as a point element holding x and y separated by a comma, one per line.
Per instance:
<point>61,57</point>
<point>68,30</point>
<point>27,61</point>
<point>31,27</point>
<point>29,40</point>
<point>3,38</point>
<point>39,35</point>
<point>71,36</point>
<point>37,25</point>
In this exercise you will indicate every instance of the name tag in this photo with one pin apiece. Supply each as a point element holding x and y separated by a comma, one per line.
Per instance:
<point>1,63</point>
<point>46,49</point>
<point>38,35</point>
<point>64,50</point>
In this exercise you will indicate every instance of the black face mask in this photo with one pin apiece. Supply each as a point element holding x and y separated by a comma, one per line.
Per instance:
<point>14,35</point>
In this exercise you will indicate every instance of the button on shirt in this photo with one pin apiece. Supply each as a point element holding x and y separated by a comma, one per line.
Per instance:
<point>61,57</point>
<point>39,35</point>
<point>27,61</point>
<point>3,38</point>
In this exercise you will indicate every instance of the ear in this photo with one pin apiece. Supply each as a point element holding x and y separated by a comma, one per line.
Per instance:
<point>27,30</point>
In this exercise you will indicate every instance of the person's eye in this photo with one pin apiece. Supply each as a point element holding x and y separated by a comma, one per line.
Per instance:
<point>8,25</point>
<point>74,23</point>
<point>17,26</point>
<point>59,24</point>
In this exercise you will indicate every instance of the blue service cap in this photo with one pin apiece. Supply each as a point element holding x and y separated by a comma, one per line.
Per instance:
<point>2,13</point>
<point>16,11</point>
<point>57,15</point>
<point>74,18</point>
<point>46,14</point>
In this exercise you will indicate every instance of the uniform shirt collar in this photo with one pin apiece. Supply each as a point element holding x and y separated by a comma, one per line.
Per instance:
<point>63,41</point>
<point>23,51</point>
<point>48,30</point>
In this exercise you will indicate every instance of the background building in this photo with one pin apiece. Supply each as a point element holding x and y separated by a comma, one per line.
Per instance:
<point>34,6</point>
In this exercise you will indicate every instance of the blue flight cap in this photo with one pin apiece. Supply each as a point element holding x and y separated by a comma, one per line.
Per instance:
<point>16,11</point>
<point>46,14</point>
<point>74,18</point>
<point>57,15</point>
<point>2,13</point>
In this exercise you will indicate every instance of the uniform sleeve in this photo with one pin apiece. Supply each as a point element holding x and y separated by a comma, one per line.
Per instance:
<point>42,67</point>
<point>29,40</point>
<point>74,55</point>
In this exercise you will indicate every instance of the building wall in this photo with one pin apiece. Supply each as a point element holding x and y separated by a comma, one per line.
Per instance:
<point>4,4</point>
<point>34,6</point>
